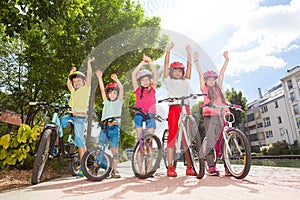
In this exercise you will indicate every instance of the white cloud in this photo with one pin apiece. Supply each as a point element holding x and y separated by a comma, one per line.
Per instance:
<point>253,35</point>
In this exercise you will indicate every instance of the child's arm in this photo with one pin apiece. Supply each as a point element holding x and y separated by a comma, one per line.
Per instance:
<point>201,77</point>
<point>148,60</point>
<point>189,62</point>
<point>222,72</point>
<point>102,89</point>
<point>167,60</point>
<point>89,71</point>
<point>121,93</point>
<point>69,82</point>
<point>133,75</point>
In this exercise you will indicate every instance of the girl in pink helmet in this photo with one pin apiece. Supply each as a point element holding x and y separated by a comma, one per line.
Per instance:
<point>211,84</point>
<point>112,96</point>
<point>144,84</point>
<point>176,79</point>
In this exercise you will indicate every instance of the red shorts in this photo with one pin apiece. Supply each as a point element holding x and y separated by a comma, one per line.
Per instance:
<point>173,116</point>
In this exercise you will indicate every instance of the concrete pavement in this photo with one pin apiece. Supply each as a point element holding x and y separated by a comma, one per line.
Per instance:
<point>261,183</point>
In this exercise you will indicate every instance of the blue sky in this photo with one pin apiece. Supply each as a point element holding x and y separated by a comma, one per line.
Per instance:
<point>262,37</point>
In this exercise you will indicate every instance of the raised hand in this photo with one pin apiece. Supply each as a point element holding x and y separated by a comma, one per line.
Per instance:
<point>99,73</point>
<point>114,77</point>
<point>225,54</point>
<point>91,59</point>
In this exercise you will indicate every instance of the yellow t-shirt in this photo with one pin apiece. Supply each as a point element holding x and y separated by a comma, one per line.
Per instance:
<point>79,100</point>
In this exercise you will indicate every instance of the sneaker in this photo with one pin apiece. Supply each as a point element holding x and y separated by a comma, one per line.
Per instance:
<point>227,172</point>
<point>80,173</point>
<point>171,172</point>
<point>115,174</point>
<point>190,171</point>
<point>212,171</point>
<point>55,151</point>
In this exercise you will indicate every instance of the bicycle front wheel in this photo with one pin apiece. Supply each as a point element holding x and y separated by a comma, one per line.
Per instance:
<point>146,156</point>
<point>194,144</point>
<point>96,164</point>
<point>237,154</point>
<point>41,157</point>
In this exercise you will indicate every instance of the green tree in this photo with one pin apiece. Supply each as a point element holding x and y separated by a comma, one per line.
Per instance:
<point>236,97</point>
<point>197,114</point>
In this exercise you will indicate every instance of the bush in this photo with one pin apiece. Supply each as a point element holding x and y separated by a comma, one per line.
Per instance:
<point>15,147</point>
<point>264,150</point>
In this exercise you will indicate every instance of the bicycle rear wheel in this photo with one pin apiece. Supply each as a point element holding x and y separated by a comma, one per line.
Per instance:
<point>237,154</point>
<point>41,156</point>
<point>194,144</point>
<point>145,162</point>
<point>165,150</point>
<point>91,167</point>
<point>74,160</point>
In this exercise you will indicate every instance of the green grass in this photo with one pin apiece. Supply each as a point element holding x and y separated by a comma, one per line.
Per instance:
<point>277,162</point>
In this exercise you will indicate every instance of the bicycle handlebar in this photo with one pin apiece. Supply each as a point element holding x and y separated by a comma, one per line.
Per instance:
<point>172,99</point>
<point>156,116</point>
<point>41,103</point>
<point>233,106</point>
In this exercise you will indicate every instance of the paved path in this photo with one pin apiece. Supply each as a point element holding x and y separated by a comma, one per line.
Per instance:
<point>261,183</point>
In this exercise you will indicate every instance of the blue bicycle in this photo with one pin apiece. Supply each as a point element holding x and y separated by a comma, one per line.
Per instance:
<point>47,145</point>
<point>97,162</point>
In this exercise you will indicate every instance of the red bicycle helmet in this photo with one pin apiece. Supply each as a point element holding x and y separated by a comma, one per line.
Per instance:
<point>112,86</point>
<point>177,65</point>
<point>208,74</point>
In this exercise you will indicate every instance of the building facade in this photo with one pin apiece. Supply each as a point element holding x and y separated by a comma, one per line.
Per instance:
<point>268,120</point>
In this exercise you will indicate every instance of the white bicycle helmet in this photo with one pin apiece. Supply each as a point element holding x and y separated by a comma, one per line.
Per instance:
<point>142,73</point>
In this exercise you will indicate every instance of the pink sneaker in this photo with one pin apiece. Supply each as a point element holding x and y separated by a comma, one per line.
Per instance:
<point>212,171</point>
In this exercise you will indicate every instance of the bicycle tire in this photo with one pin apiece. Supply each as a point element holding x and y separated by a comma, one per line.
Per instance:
<point>144,157</point>
<point>165,150</point>
<point>74,160</point>
<point>41,156</point>
<point>239,161</point>
<point>91,169</point>
<point>194,144</point>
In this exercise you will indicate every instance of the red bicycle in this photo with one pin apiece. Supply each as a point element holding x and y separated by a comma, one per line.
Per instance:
<point>232,147</point>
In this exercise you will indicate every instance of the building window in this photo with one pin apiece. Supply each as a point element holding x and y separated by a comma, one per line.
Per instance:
<point>276,104</point>
<point>267,121</point>
<point>269,134</point>
<point>279,120</point>
<point>264,109</point>
<point>250,117</point>
<point>292,97</point>
<point>259,125</point>
<point>296,109</point>
<point>289,84</point>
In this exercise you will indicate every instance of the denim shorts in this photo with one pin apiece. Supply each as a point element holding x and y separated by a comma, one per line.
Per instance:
<point>113,135</point>
<point>138,120</point>
<point>79,127</point>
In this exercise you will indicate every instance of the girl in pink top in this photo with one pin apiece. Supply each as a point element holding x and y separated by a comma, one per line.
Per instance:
<point>212,116</point>
<point>144,84</point>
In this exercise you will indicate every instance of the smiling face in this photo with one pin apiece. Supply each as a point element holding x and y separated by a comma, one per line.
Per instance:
<point>77,82</point>
<point>112,95</point>
<point>177,73</point>
<point>211,81</point>
<point>145,81</point>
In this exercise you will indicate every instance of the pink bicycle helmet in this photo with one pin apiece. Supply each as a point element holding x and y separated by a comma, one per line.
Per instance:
<point>208,74</point>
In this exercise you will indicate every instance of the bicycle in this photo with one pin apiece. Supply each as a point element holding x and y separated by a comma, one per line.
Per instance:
<point>47,144</point>
<point>97,163</point>
<point>232,146</point>
<point>188,129</point>
<point>147,151</point>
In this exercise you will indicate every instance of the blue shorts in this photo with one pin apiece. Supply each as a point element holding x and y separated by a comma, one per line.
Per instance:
<point>113,135</point>
<point>79,128</point>
<point>138,120</point>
